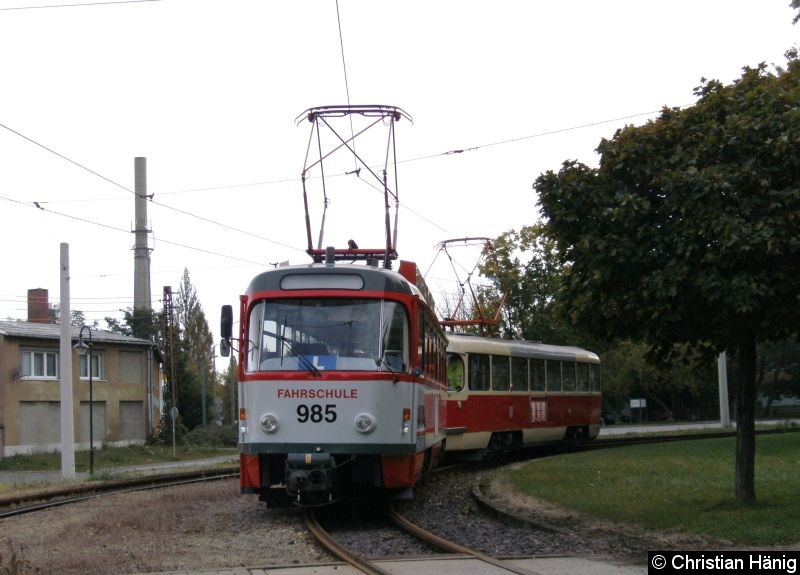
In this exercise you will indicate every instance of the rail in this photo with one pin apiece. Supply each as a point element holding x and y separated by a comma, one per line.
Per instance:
<point>329,543</point>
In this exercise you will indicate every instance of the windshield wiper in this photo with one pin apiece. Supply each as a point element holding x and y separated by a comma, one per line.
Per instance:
<point>379,361</point>
<point>301,359</point>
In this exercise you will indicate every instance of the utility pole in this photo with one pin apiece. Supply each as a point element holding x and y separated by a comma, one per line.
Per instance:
<point>65,373</point>
<point>169,331</point>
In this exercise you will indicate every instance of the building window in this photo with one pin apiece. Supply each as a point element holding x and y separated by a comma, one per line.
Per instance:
<point>98,366</point>
<point>39,364</point>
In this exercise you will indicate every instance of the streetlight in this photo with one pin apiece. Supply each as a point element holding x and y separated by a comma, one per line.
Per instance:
<point>85,349</point>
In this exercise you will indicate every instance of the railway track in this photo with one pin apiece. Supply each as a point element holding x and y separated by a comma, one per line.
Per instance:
<point>35,501</point>
<point>330,543</point>
<point>32,502</point>
<point>75,493</point>
<point>442,549</point>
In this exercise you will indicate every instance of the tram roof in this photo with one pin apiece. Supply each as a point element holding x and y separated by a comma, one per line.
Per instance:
<point>339,276</point>
<point>480,344</point>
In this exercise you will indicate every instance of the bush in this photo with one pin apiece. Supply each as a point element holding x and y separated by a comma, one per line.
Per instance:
<point>163,435</point>
<point>213,436</point>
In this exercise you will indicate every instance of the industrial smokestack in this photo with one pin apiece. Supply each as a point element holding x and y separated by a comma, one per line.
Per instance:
<point>141,250</point>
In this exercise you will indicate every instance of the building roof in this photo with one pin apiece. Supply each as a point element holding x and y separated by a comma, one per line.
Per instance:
<point>27,329</point>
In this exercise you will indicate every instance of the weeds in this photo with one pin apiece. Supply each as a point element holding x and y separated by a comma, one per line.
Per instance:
<point>14,563</point>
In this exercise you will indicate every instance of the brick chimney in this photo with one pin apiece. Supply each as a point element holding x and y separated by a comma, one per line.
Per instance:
<point>38,306</point>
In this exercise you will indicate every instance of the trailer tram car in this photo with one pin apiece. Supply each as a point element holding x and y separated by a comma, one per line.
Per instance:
<point>342,382</point>
<point>504,395</point>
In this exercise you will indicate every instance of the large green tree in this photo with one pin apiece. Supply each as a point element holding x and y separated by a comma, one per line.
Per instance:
<point>687,230</point>
<point>523,267</point>
<point>196,361</point>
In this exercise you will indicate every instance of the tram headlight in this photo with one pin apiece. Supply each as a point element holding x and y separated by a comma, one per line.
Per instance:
<point>269,422</point>
<point>365,423</point>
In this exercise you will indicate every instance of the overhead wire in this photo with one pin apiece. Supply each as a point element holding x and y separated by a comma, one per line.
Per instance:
<point>110,227</point>
<point>63,157</point>
<point>346,84</point>
<point>285,180</point>
<point>529,137</point>
<point>80,4</point>
<point>127,189</point>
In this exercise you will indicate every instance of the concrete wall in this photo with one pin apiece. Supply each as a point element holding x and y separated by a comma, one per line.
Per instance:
<point>29,413</point>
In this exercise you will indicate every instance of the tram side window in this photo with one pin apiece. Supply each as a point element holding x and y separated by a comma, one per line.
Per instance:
<point>432,346</point>
<point>537,375</point>
<point>394,337</point>
<point>254,337</point>
<point>479,372</point>
<point>455,372</point>
<point>553,369</point>
<point>442,358</point>
<point>594,376</point>
<point>500,375</point>
<point>568,375</point>
<point>519,374</point>
<point>583,377</point>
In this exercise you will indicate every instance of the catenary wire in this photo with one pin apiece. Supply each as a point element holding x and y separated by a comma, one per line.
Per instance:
<point>419,158</point>
<point>110,227</point>
<point>81,4</point>
<point>117,184</point>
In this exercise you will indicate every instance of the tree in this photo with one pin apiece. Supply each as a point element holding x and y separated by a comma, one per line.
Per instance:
<point>687,230</point>
<point>76,317</point>
<point>524,266</point>
<point>141,323</point>
<point>197,375</point>
<point>230,397</point>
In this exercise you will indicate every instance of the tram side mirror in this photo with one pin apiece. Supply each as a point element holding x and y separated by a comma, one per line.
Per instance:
<point>226,328</point>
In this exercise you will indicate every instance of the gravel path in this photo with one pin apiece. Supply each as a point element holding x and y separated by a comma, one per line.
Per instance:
<point>211,525</point>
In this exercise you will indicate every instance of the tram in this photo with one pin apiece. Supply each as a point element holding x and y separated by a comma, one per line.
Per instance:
<point>342,371</point>
<point>506,394</point>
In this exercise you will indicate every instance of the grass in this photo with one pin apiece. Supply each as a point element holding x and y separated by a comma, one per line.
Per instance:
<point>111,457</point>
<point>686,487</point>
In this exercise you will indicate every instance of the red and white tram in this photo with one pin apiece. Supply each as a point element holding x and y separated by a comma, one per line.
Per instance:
<point>342,372</point>
<point>341,381</point>
<point>506,394</point>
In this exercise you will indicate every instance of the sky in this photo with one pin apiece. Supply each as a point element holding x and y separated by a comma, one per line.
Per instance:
<point>208,91</point>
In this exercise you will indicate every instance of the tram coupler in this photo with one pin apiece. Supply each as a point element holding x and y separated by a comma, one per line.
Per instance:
<point>310,478</point>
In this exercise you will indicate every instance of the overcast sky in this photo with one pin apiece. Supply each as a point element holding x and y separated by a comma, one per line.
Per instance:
<point>208,92</point>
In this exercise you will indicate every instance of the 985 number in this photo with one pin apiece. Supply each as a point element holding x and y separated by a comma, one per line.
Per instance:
<point>315,413</point>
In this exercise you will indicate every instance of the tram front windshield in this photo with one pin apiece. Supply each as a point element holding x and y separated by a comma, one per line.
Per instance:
<point>327,334</point>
